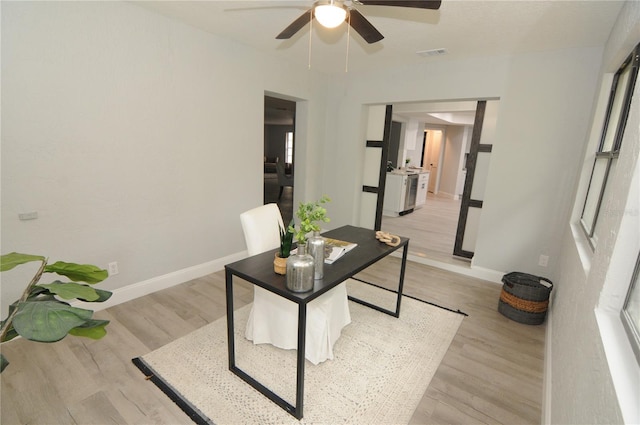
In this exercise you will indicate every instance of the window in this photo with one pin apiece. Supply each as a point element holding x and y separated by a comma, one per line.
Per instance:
<point>288,146</point>
<point>630,313</point>
<point>609,147</point>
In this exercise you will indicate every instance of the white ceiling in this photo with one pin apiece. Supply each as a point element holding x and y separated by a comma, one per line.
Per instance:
<point>464,28</point>
<point>440,113</point>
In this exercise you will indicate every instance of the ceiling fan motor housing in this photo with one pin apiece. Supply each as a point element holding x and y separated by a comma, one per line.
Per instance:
<point>344,9</point>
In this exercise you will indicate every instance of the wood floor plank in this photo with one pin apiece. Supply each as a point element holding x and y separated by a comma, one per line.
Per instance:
<point>95,409</point>
<point>432,228</point>
<point>35,377</point>
<point>453,409</point>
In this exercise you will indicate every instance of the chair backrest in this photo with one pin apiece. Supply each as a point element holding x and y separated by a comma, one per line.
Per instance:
<point>261,228</point>
<point>283,178</point>
<point>280,171</point>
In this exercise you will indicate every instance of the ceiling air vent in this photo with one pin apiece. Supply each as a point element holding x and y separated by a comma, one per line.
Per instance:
<point>432,52</point>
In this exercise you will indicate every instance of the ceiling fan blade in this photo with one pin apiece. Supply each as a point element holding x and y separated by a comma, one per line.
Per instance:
<point>422,4</point>
<point>296,25</point>
<point>363,27</point>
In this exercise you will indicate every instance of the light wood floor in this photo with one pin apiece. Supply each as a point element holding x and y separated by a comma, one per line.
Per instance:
<point>492,373</point>
<point>432,229</point>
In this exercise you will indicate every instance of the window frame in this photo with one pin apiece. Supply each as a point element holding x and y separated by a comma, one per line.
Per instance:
<point>633,333</point>
<point>288,147</point>
<point>604,153</point>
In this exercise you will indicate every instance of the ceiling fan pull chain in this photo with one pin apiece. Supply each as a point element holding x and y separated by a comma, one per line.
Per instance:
<point>310,34</point>
<point>346,66</point>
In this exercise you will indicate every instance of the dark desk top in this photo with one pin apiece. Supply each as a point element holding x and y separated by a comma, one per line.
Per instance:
<point>258,269</point>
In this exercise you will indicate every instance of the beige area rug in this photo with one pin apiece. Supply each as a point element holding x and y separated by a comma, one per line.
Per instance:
<point>381,369</point>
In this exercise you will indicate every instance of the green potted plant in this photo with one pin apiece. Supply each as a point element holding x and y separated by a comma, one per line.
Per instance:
<point>40,315</point>
<point>310,214</point>
<point>286,240</point>
<point>302,267</point>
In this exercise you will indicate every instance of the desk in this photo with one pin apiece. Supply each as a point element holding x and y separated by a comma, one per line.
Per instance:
<point>258,270</point>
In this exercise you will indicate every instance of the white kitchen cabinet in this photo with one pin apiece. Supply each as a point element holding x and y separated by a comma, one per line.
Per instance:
<point>404,192</point>
<point>423,185</point>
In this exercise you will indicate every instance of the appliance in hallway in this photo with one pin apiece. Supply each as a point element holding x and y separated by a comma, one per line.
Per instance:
<point>400,193</point>
<point>411,194</point>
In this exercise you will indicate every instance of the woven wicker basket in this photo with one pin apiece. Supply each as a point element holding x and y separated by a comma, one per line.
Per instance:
<point>525,297</point>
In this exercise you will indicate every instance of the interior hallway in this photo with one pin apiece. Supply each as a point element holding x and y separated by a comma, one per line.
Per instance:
<point>431,229</point>
<point>271,190</point>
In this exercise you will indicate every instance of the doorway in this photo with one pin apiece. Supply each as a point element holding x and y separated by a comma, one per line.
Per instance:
<point>279,154</point>
<point>442,139</point>
<point>432,156</point>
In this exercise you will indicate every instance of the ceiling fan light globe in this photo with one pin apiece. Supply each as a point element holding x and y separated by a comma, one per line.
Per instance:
<point>330,15</point>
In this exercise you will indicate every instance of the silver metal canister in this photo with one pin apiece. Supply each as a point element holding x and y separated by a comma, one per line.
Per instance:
<point>300,270</point>
<point>316,250</point>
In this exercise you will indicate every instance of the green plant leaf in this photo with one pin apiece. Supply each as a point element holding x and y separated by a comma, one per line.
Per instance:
<point>37,290</point>
<point>94,329</point>
<point>12,307</point>
<point>78,272</point>
<point>11,333</point>
<point>3,362</point>
<point>9,261</point>
<point>286,239</point>
<point>102,296</point>
<point>309,214</point>
<point>71,290</point>
<point>48,321</point>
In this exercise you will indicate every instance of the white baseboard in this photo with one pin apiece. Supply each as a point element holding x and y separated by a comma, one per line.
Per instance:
<point>487,274</point>
<point>149,286</point>
<point>473,271</point>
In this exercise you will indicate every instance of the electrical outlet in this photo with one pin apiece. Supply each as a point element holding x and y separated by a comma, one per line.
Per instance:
<point>32,215</point>
<point>113,268</point>
<point>543,261</point>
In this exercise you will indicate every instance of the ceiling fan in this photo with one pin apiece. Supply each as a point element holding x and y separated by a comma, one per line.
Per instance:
<point>331,13</point>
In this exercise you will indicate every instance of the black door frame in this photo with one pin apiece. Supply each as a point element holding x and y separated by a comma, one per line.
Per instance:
<point>467,201</point>
<point>382,176</point>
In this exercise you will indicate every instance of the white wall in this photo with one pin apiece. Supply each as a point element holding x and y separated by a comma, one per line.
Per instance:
<point>126,132</point>
<point>582,389</point>
<point>530,178</point>
<point>124,129</point>
<point>541,129</point>
<point>414,131</point>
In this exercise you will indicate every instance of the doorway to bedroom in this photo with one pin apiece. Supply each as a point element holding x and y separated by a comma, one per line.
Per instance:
<point>279,150</point>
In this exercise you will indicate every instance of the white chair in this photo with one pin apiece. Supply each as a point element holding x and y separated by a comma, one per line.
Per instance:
<point>273,319</point>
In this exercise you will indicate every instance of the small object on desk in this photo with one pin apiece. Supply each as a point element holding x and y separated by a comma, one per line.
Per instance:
<point>388,238</point>
<point>300,270</point>
<point>280,264</point>
<point>335,249</point>
<point>315,246</point>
